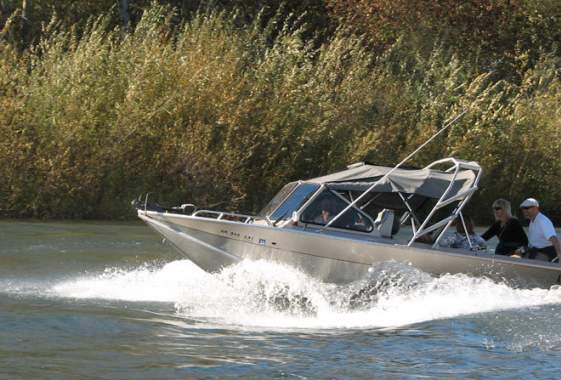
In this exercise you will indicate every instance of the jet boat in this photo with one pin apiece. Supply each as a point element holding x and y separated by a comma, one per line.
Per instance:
<point>340,226</point>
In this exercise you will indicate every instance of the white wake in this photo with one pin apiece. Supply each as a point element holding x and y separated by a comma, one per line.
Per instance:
<point>264,294</point>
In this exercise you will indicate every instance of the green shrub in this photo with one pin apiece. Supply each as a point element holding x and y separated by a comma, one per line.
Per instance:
<point>222,114</point>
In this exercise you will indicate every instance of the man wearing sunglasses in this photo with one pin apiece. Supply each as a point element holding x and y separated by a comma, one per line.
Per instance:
<point>543,240</point>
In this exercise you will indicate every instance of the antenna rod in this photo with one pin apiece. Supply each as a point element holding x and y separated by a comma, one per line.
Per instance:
<point>393,169</point>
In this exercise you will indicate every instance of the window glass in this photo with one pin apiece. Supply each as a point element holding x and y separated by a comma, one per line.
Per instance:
<point>326,206</point>
<point>277,199</point>
<point>296,199</point>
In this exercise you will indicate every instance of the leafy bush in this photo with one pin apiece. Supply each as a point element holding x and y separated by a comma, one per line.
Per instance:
<point>223,113</point>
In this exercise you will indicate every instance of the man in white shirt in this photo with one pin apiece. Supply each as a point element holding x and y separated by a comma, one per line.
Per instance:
<point>543,241</point>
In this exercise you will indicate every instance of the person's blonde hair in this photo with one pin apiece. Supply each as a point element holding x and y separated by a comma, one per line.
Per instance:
<point>504,204</point>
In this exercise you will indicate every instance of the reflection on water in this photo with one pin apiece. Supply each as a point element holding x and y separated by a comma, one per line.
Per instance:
<point>110,301</point>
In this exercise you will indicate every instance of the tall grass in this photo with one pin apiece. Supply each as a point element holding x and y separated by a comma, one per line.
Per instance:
<point>223,114</point>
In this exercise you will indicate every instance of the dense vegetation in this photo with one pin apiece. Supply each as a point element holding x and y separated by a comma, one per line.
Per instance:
<point>220,103</point>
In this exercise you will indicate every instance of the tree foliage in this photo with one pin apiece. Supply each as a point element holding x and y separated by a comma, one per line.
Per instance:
<point>225,106</point>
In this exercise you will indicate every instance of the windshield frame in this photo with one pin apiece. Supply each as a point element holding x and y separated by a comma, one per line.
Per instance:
<point>264,213</point>
<point>301,202</point>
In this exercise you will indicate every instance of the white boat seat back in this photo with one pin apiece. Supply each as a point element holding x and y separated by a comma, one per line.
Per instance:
<point>385,223</point>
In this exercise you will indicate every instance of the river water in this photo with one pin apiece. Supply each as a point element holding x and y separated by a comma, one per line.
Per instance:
<point>110,301</point>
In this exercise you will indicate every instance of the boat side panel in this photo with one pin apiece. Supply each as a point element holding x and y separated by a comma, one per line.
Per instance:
<point>196,250</point>
<point>207,256</point>
<point>336,259</point>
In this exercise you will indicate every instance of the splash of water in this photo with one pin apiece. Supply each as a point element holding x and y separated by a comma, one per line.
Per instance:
<point>265,294</point>
<point>151,283</point>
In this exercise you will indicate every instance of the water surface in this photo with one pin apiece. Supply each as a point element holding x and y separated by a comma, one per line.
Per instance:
<point>110,301</point>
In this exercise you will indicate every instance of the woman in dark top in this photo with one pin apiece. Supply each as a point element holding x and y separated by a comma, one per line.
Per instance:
<point>507,229</point>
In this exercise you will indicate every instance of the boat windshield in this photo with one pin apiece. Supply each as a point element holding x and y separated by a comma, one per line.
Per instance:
<point>277,199</point>
<point>327,205</point>
<point>289,201</point>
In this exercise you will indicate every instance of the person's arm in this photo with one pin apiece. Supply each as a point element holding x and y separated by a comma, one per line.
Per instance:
<point>549,232</point>
<point>555,241</point>
<point>518,231</point>
<point>491,231</point>
<point>525,241</point>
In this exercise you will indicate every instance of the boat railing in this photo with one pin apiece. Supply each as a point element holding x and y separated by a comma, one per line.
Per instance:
<point>191,209</point>
<point>462,197</point>
<point>221,215</point>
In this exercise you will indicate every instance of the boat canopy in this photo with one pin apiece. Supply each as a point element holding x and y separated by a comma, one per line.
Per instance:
<point>427,182</point>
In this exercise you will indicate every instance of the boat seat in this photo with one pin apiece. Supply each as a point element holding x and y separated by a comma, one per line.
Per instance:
<point>386,223</point>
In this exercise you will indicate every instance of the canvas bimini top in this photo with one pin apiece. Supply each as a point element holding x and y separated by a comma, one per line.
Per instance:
<point>426,182</point>
<point>449,182</point>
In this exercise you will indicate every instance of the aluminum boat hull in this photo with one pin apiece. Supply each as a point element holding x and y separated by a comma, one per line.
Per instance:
<point>332,256</point>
